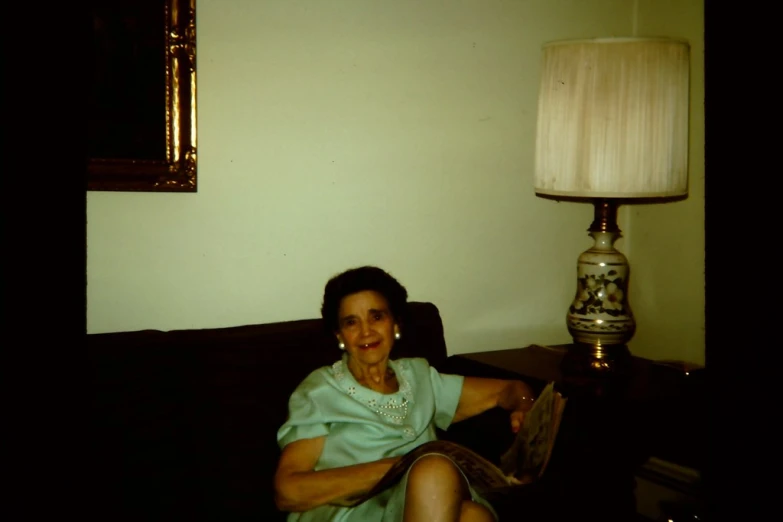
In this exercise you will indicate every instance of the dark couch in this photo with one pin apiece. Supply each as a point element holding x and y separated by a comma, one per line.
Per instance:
<point>186,421</point>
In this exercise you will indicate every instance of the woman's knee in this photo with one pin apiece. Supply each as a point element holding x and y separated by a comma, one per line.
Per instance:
<point>475,512</point>
<point>436,472</point>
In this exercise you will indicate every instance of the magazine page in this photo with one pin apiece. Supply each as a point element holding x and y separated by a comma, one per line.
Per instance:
<point>525,459</point>
<point>557,415</point>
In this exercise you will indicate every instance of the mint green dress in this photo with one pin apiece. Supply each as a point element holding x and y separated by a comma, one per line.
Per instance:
<point>362,425</point>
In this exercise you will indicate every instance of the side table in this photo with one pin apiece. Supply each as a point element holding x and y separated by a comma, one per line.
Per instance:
<point>613,423</point>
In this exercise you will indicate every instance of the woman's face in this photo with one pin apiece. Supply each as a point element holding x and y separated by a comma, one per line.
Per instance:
<point>366,326</point>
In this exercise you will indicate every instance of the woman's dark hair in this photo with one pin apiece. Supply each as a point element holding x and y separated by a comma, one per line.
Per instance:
<point>358,280</point>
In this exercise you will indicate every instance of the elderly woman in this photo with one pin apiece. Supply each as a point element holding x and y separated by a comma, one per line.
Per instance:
<point>350,422</point>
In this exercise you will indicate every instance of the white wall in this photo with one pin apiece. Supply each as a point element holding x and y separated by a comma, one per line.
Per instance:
<point>349,132</point>
<point>666,241</point>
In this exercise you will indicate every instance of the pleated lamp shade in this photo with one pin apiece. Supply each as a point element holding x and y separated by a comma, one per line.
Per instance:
<point>613,118</point>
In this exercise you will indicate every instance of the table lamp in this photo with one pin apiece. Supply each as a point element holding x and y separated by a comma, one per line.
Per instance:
<point>612,129</point>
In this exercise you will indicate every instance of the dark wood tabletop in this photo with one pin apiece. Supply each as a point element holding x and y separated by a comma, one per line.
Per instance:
<point>613,423</point>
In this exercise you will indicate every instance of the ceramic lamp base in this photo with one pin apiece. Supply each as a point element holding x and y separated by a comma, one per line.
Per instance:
<point>600,314</point>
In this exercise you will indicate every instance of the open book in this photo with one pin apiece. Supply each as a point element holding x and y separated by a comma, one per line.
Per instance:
<point>523,463</point>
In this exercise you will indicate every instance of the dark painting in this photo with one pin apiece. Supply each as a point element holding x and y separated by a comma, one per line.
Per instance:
<point>128,109</point>
<point>142,103</point>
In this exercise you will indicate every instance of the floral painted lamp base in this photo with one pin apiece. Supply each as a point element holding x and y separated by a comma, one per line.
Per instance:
<point>600,316</point>
<point>600,313</point>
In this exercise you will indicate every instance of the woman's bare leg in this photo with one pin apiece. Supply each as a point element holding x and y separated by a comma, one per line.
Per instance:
<point>437,492</point>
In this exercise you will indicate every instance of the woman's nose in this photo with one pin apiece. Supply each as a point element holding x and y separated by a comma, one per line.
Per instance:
<point>365,328</point>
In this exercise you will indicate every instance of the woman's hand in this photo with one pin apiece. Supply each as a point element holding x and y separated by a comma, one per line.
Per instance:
<point>517,418</point>
<point>520,399</point>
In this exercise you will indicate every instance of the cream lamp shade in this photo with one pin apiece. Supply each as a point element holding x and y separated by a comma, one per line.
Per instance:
<point>613,118</point>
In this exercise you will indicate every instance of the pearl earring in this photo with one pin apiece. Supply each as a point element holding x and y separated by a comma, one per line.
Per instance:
<point>341,345</point>
<point>397,335</point>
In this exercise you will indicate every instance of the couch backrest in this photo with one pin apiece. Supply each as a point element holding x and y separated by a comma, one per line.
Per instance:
<point>186,420</point>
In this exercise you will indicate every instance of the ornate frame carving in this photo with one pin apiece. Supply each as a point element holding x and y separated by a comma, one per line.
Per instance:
<point>177,171</point>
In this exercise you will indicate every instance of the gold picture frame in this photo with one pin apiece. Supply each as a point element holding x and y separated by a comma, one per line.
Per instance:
<point>142,125</point>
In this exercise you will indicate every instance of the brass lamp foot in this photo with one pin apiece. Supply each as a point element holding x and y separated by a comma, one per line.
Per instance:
<point>590,360</point>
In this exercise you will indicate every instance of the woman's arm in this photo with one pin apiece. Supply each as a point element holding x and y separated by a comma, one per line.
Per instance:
<point>299,488</point>
<point>481,394</point>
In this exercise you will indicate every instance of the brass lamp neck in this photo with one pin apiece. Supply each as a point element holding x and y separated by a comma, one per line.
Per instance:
<point>604,216</point>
